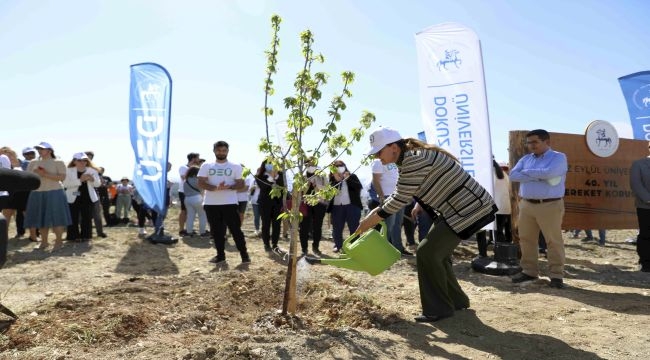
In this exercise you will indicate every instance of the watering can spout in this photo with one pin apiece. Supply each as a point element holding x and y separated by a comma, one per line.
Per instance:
<point>344,263</point>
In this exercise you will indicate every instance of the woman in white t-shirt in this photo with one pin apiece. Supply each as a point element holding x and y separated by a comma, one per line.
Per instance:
<point>502,200</point>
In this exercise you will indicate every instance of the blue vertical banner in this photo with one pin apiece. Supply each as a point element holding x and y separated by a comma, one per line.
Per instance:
<point>149,122</point>
<point>636,90</point>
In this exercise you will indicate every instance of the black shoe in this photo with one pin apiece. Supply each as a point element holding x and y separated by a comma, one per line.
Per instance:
<point>521,277</point>
<point>316,251</point>
<point>461,307</point>
<point>556,283</point>
<point>102,235</point>
<point>217,260</point>
<point>587,239</point>
<point>405,252</point>
<point>430,318</point>
<point>182,233</point>
<point>267,248</point>
<point>645,269</point>
<point>245,259</point>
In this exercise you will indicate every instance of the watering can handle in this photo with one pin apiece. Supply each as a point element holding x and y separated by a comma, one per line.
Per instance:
<point>380,227</point>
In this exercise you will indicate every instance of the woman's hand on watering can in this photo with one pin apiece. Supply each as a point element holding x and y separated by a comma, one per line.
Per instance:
<point>368,222</point>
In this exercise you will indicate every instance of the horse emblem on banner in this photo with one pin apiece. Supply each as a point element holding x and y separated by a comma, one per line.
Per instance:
<point>646,101</point>
<point>451,57</point>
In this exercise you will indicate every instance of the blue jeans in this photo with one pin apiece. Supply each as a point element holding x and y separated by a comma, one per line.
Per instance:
<point>342,215</point>
<point>601,235</point>
<point>394,229</point>
<point>256,216</point>
<point>194,207</point>
<point>424,224</point>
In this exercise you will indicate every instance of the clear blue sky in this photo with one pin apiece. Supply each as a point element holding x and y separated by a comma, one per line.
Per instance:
<point>64,67</point>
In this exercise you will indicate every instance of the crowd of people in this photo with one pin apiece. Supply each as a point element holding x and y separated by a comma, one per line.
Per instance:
<point>444,201</point>
<point>73,198</point>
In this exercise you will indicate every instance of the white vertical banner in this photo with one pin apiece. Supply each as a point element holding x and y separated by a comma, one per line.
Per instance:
<point>452,96</point>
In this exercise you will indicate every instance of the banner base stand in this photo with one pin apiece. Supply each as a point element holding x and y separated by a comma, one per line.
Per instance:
<point>487,265</point>
<point>161,239</point>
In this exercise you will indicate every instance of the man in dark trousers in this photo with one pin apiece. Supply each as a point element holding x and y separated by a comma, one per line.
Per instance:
<point>640,184</point>
<point>221,180</point>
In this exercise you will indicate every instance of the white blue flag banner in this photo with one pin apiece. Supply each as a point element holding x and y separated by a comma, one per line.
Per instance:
<point>453,101</point>
<point>149,122</point>
<point>636,90</point>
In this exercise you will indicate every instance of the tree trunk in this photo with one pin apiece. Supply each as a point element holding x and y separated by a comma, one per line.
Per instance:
<point>290,302</point>
<point>517,149</point>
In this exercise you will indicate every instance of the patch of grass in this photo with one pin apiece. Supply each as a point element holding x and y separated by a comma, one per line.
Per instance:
<point>81,334</point>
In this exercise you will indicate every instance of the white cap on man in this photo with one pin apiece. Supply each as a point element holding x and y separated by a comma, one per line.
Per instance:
<point>381,137</point>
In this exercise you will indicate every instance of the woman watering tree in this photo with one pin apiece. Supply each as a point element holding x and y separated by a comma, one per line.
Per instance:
<point>440,186</point>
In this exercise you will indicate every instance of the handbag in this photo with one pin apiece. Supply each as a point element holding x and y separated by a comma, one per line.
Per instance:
<point>304,209</point>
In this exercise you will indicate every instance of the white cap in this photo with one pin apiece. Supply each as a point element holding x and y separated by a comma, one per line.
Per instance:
<point>28,150</point>
<point>381,137</point>
<point>80,156</point>
<point>43,145</point>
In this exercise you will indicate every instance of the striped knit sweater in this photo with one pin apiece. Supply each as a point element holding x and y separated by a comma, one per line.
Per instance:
<point>441,183</point>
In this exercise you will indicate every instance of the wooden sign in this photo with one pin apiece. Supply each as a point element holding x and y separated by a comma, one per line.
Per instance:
<point>598,194</point>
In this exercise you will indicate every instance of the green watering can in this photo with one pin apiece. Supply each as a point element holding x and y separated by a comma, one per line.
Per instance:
<point>370,252</point>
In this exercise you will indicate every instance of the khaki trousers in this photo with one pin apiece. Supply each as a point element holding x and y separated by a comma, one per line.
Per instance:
<point>546,217</point>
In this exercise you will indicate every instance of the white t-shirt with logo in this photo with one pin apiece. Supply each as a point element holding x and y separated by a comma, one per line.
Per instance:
<point>389,176</point>
<point>217,173</point>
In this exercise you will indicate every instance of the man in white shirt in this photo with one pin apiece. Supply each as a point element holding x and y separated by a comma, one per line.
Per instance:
<point>221,180</point>
<point>192,159</point>
<point>384,180</point>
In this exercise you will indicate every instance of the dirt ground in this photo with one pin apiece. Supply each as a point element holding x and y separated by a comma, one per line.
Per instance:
<point>124,298</point>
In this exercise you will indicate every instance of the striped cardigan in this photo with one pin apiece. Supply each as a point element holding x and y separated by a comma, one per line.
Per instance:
<point>441,184</point>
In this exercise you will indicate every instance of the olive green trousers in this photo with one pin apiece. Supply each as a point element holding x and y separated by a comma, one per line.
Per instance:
<point>440,292</point>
